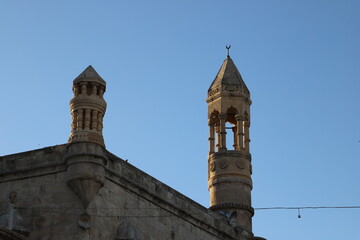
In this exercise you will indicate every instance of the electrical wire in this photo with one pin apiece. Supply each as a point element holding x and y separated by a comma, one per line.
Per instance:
<point>316,207</point>
<point>65,210</point>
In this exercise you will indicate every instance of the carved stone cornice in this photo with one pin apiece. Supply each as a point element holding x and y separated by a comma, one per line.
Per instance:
<point>236,153</point>
<point>89,101</point>
<point>222,206</point>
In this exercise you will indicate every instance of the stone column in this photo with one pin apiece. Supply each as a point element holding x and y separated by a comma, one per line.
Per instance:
<point>217,130</point>
<point>94,89</point>
<point>247,137</point>
<point>83,88</point>
<point>74,123</point>
<point>80,119</point>
<point>100,122</point>
<point>234,129</point>
<point>211,138</point>
<point>222,131</point>
<point>240,132</point>
<point>94,120</point>
<point>101,91</point>
<point>87,119</point>
<point>76,90</point>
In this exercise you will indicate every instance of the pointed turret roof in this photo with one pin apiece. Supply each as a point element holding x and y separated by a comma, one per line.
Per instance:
<point>229,75</point>
<point>89,75</point>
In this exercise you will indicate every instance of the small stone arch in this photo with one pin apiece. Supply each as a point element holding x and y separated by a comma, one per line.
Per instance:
<point>230,115</point>
<point>214,117</point>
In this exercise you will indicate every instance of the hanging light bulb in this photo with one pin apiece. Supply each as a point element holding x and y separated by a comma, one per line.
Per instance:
<point>299,216</point>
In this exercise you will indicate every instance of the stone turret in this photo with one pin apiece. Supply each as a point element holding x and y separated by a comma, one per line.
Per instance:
<point>88,107</point>
<point>230,169</point>
<point>86,158</point>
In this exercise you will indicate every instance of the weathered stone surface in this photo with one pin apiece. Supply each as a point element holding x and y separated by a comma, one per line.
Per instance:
<point>229,174</point>
<point>51,210</point>
<point>6,234</point>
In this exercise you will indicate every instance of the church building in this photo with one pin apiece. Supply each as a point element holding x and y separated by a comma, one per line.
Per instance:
<point>80,190</point>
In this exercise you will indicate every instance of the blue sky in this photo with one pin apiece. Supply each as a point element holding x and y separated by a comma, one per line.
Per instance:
<point>300,60</point>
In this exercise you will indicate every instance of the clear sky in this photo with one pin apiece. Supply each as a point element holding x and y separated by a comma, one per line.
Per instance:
<point>300,60</point>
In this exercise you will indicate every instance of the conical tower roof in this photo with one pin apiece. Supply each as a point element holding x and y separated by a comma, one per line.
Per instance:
<point>89,75</point>
<point>229,75</point>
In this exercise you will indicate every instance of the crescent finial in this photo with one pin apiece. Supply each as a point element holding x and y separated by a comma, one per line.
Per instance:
<point>228,50</point>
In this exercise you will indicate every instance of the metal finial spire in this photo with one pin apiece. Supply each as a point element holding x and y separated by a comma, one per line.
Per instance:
<point>228,50</point>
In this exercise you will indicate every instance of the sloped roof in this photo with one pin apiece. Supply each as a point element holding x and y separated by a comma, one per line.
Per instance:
<point>228,75</point>
<point>89,75</point>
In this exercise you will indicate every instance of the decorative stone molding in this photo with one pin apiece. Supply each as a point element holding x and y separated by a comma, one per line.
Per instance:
<point>223,206</point>
<point>241,164</point>
<point>238,179</point>
<point>214,91</point>
<point>212,166</point>
<point>84,221</point>
<point>223,163</point>
<point>232,88</point>
<point>85,170</point>
<point>239,154</point>
<point>85,167</point>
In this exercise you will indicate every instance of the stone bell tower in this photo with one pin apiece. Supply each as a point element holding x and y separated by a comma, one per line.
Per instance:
<point>229,161</point>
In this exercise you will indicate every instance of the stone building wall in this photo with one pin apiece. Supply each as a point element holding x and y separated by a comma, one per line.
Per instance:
<point>130,204</point>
